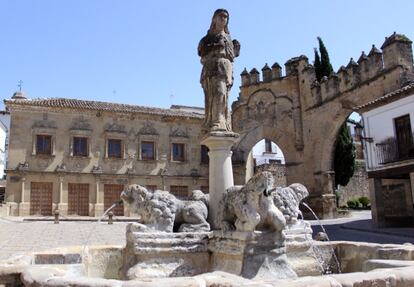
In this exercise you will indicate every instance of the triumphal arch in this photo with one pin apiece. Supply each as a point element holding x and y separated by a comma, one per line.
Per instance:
<point>303,116</point>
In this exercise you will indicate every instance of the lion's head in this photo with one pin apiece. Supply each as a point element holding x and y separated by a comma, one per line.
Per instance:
<point>134,194</point>
<point>262,182</point>
<point>300,190</point>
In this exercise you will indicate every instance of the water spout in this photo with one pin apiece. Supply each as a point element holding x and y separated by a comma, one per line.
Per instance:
<point>327,270</point>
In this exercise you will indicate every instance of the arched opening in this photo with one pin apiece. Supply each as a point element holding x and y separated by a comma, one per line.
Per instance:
<point>268,156</point>
<point>351,189</point>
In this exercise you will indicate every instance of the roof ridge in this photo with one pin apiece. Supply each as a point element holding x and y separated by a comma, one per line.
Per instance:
<point>101,105</point>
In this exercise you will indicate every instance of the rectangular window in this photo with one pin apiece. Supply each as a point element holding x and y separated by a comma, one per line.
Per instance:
<point>180,191</point>
<point>80,146</point>
<point>147,150</point>
<point>178,152</point>
<point>114,148</point>
<point>268,146</point>
<point>204,154</point>
<point>44,144</point>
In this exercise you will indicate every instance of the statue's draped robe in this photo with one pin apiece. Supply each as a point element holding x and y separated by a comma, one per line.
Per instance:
<point>217,54</point>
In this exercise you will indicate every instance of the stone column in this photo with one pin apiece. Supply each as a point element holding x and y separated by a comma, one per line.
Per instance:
<point>24,205</point>
<point>98,208</point>
<point>220,169</point>
<point>23,200</point>
<point>62,206</point>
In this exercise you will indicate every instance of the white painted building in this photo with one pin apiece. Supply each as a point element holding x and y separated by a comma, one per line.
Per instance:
<point>389,132</point>
<point>266,151</point>
<point>388,138</point>
<point>4,140</point>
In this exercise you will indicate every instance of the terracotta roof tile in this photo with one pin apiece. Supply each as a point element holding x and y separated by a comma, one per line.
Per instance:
<point>387,98</point>
<point>101,106</point>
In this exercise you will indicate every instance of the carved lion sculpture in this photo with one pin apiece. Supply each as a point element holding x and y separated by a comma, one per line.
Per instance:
<point>251,207</point>
<point>162,211</point>
<point>287,200</point>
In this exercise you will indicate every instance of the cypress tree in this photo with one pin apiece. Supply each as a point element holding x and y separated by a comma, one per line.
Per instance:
<point>326,67</point>
<point>344,162</point>
<point>344,158</point>
<point>317,65</point>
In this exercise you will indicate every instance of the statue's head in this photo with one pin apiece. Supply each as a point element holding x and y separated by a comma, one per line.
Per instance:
<point>219,22</point>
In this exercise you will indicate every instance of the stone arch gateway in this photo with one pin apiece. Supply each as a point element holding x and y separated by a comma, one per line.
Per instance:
<point>303,115</point>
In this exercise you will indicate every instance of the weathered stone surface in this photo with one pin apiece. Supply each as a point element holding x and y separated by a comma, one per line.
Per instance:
<point>162,211</point>
<point>381,263</point>
<point>287,200</point>
<point>250,254</point>
<point>217,52</point>
<point>250,207</point>
<point>164,254</point>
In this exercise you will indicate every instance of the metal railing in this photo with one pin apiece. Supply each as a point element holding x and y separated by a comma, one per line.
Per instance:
<point>387,151</point>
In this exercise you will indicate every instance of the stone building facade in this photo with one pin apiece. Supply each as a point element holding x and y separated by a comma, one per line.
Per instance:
<point>76,156</point>
<point>303,116</point>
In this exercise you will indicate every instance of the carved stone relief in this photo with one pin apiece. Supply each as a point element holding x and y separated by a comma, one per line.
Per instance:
<point>178,132</point>
<point>114,128</point>
<point>81,124</point>
<point>148,129</point>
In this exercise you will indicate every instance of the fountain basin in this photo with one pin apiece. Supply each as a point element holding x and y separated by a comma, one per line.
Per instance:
<point>100,266</point>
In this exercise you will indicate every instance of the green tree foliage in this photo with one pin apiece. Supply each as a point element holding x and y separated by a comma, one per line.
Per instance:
<point>326,67</point>
<point>344,162</point>
<point>317,65</point>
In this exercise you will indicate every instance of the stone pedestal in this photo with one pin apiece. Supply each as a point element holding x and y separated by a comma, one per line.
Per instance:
<point>13,209</point>
<point>300,250</point>
<point>98,209</point>
<point>24,208</point>
<point>250,254</point>
<point>220,168</point>
<point>63,208</point>
<point>162,254</point>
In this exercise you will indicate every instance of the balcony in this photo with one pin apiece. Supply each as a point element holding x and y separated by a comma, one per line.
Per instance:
<point>389,150</point>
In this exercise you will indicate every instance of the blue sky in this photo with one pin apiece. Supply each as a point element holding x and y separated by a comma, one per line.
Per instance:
<point>145,52</point>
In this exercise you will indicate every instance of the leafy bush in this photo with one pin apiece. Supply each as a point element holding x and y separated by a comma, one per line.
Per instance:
<point>364,201</point>
<point>353,203</point>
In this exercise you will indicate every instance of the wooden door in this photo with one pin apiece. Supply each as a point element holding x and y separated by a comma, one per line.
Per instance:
<point>404,136</point>
<point>78,199</point>
<point>112,193</point>
<point>41,194</point>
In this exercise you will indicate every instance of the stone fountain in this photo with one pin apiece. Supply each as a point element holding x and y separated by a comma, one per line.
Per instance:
<point>236,236</point>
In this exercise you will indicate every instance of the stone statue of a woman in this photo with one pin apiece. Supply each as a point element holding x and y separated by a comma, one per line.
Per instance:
<point>217,52</point>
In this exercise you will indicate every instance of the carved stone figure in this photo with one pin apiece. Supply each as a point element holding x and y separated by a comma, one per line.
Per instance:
<point>217,52</point>
<point>162,211</point>
<point>251,207</point>
<point>287,200</point>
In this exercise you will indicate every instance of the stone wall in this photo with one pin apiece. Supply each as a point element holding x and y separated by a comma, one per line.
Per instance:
<point>61,167</point>
<point>278,170</point>
<point>358,185</point>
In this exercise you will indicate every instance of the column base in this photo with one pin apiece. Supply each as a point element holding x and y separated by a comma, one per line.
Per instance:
<point>98,210</point>
<point>63,208</point>
<point>24,208</point>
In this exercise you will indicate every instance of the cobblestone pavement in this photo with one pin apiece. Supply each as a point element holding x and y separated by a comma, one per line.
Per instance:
<point>20,237</point>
